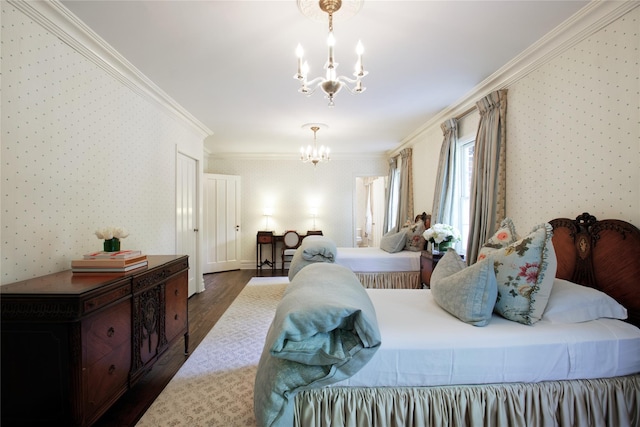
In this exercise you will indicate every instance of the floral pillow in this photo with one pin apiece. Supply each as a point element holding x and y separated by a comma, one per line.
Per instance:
<point>525,271</point>
<point>415,240</point>
<point>502,238</point>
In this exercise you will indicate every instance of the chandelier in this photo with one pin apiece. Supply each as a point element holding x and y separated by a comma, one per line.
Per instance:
<point>331,83</point>
<point>313,154</point>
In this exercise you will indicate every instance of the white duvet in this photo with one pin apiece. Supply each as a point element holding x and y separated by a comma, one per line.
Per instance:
<point>423,345</point>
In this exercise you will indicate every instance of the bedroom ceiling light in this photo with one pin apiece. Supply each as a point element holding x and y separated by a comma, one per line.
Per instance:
<point>331,83</point>
<point>313,154</point>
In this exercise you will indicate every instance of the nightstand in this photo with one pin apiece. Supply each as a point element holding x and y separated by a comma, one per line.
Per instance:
<point>265,238</point>
<point>428,262</point>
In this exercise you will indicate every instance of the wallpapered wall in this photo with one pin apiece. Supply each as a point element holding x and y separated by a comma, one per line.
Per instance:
<point>573,138</point>
<point>291,188</point>
<point>80,151</point>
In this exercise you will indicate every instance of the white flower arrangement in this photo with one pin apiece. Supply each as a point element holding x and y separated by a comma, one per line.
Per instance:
<point>439,233</point>
<point>112,233</point>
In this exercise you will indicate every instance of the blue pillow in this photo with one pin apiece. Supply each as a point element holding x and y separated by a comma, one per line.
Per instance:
<point>469,293</point>
<point>393,241</point>
<point>313,249</point>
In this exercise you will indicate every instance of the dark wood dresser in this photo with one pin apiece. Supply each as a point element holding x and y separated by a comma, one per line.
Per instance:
<point>72,345</point>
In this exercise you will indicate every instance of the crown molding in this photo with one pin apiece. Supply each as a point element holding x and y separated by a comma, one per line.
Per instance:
<point>291,156</point>
<point>57,19</point>
<point>584,23</point>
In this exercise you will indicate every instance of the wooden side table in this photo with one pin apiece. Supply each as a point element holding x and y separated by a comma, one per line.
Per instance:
<point>265,238</point>
<point>428,262</point>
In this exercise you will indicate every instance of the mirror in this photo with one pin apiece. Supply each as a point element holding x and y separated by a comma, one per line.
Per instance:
<point>369,210</point>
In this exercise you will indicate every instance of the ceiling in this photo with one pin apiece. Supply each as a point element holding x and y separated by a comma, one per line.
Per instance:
<point>231,63</point>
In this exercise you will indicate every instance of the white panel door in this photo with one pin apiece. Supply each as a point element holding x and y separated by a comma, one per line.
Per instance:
<point>221,210</point>
<point>187,214</point>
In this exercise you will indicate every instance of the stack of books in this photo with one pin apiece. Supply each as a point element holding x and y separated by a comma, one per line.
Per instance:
<point>120,262</point>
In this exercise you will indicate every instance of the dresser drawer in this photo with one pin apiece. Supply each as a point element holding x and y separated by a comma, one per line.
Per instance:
<point>105,331</point>
<point>176,293</point>
<point>107,378</point>
<point>265,238</point>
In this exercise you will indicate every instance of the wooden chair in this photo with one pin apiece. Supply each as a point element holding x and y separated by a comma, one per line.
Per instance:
<point>291,241</point>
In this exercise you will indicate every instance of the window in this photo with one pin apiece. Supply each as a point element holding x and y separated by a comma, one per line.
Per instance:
<point>462,196</point>
<point>394,199</point>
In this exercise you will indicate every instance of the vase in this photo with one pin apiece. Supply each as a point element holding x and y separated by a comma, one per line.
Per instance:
<point>444,246</point>
<point>112,245</point>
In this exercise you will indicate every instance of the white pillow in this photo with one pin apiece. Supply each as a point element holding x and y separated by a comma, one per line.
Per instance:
<point>573,303</point>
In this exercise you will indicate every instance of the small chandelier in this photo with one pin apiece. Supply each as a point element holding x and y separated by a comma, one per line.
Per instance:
<point>313,154</point>
<point>331,83</point>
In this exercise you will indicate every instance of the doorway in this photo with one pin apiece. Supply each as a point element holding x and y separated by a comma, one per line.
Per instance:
<point>187,214</point>
<point>369,212</point>
<point>221,211</point>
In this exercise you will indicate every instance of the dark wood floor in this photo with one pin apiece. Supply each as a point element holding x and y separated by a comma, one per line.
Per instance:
<point>205,309</point>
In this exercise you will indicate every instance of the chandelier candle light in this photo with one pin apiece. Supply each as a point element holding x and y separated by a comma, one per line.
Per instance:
<point>331,83</point>
<point>313,154</point>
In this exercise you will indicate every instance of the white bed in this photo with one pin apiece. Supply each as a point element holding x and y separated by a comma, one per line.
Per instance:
<point>433,369</point>
<point>379,269</point>
<point>423,345</point>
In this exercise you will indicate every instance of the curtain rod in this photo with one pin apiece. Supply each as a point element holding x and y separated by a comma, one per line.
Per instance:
<point>466,112</point>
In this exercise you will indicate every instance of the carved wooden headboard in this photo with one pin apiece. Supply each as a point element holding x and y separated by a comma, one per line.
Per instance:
<point>601,254</point>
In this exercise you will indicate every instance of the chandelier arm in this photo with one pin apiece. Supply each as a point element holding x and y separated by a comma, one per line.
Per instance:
<point>315,81</point>
<point>343,79</point>
<point>356,90</point>
<point>308,88</point>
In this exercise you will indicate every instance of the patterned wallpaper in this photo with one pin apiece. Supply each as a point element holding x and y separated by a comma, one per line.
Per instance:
<point>291,188</point>
<point>573,132</point>
<point>79,151</point>
<point>573,135</point>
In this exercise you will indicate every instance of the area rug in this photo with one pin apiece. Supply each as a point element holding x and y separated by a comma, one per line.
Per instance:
<point>214,387</point>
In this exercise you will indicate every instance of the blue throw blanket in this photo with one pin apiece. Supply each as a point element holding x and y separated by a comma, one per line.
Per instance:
<point>313,249</point>
<point>324,330</point>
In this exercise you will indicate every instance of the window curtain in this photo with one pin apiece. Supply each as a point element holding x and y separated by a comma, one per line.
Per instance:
<point>391,196</point>
<point>399,203</point>
<point>489,177</point>
<point>405,211</point>
<point>442,210</point>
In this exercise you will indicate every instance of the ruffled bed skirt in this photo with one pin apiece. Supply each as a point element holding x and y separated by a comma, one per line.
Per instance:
<point>613,402</point>
<point>391,280</point>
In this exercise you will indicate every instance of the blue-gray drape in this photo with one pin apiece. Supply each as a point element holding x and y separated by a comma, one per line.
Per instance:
<point>489,178</point>
<point>399,204</point>
<point>445,180</point>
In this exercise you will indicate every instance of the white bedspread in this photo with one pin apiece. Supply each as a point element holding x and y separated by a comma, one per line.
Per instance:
<point>424,345</point>
<point>371,260</point>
